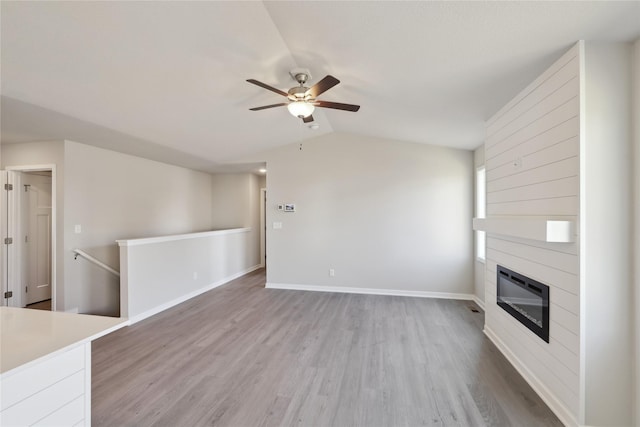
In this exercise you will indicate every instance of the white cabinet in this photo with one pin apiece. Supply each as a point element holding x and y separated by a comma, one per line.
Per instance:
<point>45,366</point>
<point>55,391</point>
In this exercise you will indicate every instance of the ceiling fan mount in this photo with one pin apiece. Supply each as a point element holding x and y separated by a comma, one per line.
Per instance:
<point>301,75</point>
<point>302,99</point>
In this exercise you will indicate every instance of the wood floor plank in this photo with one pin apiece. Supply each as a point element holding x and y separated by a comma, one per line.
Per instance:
<point>243,355</point>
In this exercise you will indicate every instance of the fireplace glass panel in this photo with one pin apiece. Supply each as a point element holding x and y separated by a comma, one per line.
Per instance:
<point>525,299</point>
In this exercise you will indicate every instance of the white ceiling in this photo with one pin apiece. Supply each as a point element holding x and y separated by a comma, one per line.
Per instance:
<point>166,80</point>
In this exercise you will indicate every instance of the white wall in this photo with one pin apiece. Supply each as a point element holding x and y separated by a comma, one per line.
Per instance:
<point>253,252</point>
<point>111,195</point>
<point>635,115</point>
<point>606,242</point>
<point>39,153</point>
<point>479,266</point>
<point>385,215</point>
<point>118,196</point>
<point>231,200</point>
<point>236,199</point>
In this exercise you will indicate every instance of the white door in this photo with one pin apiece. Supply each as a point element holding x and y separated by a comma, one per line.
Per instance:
<point>10,289</point>
<point>37,236</point>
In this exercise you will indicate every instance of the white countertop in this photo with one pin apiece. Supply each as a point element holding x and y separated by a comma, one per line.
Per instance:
<point>27,335</point>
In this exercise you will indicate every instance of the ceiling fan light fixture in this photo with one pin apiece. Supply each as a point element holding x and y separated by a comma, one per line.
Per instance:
<point>303,100</point>
<point>300,109</point>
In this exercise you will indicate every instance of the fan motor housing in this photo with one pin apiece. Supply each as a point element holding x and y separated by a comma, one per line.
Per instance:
<point>299,93</point>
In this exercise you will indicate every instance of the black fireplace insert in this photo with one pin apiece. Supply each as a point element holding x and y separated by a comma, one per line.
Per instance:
<point>525,299</point>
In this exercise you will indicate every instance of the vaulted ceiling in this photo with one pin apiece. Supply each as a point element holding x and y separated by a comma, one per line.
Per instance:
<point>166,80</point>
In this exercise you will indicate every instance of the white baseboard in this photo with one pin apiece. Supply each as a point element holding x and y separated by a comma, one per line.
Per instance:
<point>369,291</point>
<point>183,298</point>
<point>479,302</point>
<point>556,406</point>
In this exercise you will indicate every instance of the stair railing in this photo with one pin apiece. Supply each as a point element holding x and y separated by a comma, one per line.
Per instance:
<point>96,261</point>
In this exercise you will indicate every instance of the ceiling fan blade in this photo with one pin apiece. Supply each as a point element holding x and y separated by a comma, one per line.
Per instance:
<point>266,86</point>
<point>282,104</point>
<point>323,85</point>
<point>308,119</point>
<point>337,106</point>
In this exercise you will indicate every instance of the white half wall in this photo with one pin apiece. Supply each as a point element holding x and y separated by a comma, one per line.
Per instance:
<point>381,214</point>
<point>158,273</point>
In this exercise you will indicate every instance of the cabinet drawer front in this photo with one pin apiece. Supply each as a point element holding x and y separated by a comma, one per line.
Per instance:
<point>46,402</point>
<point>39,376</point>
<point>70,414</point>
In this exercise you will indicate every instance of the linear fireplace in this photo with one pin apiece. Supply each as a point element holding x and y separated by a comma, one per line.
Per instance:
<point>525,299</point>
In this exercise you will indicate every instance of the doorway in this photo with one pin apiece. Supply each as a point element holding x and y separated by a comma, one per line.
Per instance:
<point>29,231</point>
<point>35,220</point>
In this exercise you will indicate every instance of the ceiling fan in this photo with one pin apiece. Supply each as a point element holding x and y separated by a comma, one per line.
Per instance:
<point>302,99</point>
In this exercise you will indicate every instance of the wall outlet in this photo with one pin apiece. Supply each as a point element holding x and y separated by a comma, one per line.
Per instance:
<point>277,225</point>
<point>77,229</point>
<point>195,275</point>
<point>332,272</point>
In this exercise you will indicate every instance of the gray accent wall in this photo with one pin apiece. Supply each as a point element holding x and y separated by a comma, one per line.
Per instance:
<point>382,214</point>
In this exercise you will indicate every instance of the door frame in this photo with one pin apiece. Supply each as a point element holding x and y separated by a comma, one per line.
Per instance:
<point>54,219</point>
<point>10,269</point>
<point>263,227</point>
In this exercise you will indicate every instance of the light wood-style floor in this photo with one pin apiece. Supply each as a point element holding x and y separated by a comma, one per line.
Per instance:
<point>243,355</point>
<point>42,305</point>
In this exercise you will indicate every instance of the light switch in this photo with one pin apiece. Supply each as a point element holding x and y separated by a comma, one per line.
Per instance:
<point>77,229</point>
<point>277,225</point>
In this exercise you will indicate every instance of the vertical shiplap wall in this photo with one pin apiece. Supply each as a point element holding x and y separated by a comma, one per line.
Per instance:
<point>532,152</point>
